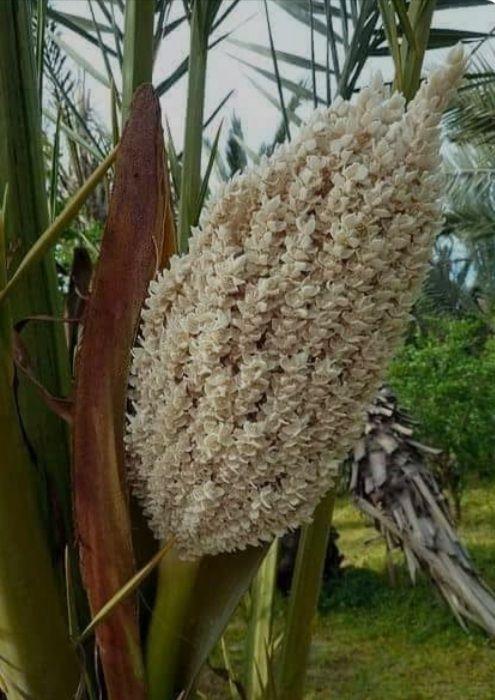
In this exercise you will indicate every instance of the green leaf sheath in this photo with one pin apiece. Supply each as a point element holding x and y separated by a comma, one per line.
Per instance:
<point>195,601</point>
<point>175,588</point>
<point>36,657</point>
<point>21,166</point>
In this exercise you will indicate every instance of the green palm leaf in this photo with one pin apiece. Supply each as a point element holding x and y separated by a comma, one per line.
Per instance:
<point>291,58</point>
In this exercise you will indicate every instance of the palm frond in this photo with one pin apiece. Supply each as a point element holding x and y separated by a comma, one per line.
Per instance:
<point>235,154</point>
<point>445,290</point>
<point>470,207</point>
<point>455,4</point>
<point>281,134</point>
<point>469,220</point>
<point>472,117</point>
<point>284,56</point>
<point>291,114</point>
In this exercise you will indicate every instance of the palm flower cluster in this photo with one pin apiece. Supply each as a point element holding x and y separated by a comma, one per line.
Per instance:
<point>262,347</point>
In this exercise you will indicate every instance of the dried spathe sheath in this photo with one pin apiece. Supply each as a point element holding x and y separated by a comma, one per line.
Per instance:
<point>263,345</point>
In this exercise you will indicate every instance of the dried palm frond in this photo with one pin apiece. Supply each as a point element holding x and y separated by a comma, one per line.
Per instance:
<point>392,484</point>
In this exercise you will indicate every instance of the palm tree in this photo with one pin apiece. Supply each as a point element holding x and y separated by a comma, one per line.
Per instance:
<point>193,602</point>
<point>470,161</point>
<point>393,484</point>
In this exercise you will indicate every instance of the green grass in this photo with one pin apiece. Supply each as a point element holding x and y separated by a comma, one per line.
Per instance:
<point>373,641</point>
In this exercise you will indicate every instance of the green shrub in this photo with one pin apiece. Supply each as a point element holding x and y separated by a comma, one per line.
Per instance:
<point>445,377</point>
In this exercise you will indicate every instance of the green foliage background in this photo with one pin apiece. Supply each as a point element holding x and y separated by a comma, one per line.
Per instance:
<point>444,377</point>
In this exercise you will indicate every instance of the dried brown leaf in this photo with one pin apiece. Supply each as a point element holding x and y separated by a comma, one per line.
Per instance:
<point>137,233</point>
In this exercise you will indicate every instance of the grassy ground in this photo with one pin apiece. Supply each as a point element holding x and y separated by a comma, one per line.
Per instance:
<point>373,642</point>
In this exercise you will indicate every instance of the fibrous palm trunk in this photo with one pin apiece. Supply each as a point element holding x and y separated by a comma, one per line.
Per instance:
<point>391,483</point>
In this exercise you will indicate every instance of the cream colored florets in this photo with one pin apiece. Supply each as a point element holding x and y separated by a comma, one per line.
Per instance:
<point>263,345</point>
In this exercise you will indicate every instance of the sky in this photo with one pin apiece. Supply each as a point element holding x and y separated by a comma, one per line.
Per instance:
<point>225,71</point>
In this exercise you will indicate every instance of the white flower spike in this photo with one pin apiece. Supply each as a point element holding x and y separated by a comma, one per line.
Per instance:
<point>262,346</point>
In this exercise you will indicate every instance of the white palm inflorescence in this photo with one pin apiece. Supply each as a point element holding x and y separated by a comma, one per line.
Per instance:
<point>262,346</point>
